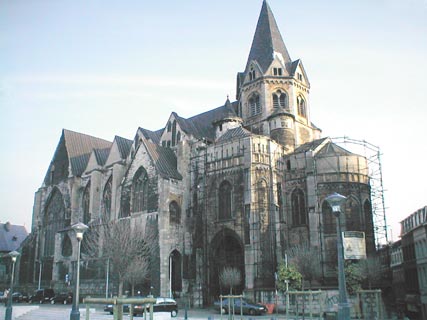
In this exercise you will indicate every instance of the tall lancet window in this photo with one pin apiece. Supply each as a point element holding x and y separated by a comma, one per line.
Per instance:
<point>54,221</point>
<point>299,214</point>
<point>254,105</point>
<point>224,198</point>
<point>280,100</point>
<point>86,204</point>
<point>106,199</point>
<point>140,190</point>
<point>301,107</point>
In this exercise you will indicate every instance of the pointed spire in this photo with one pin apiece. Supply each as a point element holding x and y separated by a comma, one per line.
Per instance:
<point>267,40</point>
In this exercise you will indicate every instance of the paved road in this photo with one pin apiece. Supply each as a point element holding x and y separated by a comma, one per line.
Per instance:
<point>61,312</point>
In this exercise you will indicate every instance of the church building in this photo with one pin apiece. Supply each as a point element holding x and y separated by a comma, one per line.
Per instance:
<point>235,186</point>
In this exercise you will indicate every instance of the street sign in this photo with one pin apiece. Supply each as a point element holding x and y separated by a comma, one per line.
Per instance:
<point>354,245</point>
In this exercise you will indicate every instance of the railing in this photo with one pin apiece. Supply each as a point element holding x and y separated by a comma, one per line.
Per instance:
<point>118,303</point>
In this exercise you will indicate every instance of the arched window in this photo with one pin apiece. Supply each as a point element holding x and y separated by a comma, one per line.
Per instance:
<point>86,204</point>
<point>280,100</point>
<point>224,198</point>
<point>299,214</point>
<point>252,74</point>
<point>67,248</point>
<point>174,213</point>
<point>301,107</point>
<point>352,215</point>
<point>329,219</point>
<point>254,105</point>
<point>54,220</point>
<point>140,190</point>
<point>178,137</point>
<point>106,199</point>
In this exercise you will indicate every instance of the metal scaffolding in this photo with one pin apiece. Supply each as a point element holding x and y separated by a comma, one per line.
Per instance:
<point>372,154</point>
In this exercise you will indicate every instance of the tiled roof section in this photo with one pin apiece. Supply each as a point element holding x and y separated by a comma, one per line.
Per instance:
<point>331,148</point>
<point>164,159</point>
<point>154,136</point>
<point>101,155</point>
<point>310,145</point>
<point>124,146</point>
<point>79,164</point>
<point>267,41</point>
<point>78,143</point>
<point>11,236</point>
<point>231,134</point>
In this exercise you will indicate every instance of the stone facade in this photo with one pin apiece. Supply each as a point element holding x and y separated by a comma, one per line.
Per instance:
<point>235,186</point>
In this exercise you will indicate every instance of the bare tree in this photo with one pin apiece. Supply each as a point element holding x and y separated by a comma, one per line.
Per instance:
<point>306,260</point>
<point>230,277</point>
<point>138,271</point>
<point>125,245</point>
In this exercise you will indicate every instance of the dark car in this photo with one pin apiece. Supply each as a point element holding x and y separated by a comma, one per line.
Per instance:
<point>62,298</point>
<point>161,305</point>
<point>19,297</point>
<point>245,305</point>
<point>42,296</point>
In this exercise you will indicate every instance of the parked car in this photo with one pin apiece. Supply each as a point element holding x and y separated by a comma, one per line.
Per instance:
<point>63,298</point>
<point>247,306</point>
<point>19,297</point>
<point>161,305</point>
<point>42,296</point>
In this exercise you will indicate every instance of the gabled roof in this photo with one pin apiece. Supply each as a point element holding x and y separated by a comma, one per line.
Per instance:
<point>231,134</point>
<point>79,164</point>
<point>154,136</point>
<point>11,236</point>
<point>123,145</point>
<point>164,160</point>
<point>267,41</point>
<point>293,69</point>
<point>101,155</point>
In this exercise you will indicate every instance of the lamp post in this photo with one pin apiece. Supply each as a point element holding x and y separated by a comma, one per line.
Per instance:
<point>79,229</point>
<point>335,200</point>
<point>13,255</point>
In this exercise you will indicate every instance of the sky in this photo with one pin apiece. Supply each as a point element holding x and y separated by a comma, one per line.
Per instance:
<point>105,68</point>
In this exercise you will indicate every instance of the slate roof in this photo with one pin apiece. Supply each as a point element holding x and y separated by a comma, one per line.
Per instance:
<point>231,134</point>
<point>154,136</point>
<point>164,159</point>
<point>310,146</point>
<point>79,164</point>
<point>11,236</point>
<point>79,147</point>
<point>79,143</point>
<point>101,155</point>
<point>332,148</point>
<point>267,40</point>
<point>124,146</point>
<point>201,125</point>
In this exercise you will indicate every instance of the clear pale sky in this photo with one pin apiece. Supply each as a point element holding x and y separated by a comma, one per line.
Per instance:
<point>105,68</point>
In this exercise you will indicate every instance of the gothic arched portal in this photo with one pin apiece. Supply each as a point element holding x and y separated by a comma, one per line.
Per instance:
<point>226,251</point>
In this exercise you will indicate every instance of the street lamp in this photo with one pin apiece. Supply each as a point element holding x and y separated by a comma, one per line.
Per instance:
<point>335,200</point>
<point>13,255</point>
<point>79,229</point>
